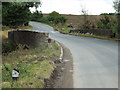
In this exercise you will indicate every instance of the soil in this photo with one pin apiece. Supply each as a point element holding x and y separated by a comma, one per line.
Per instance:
<point>62,76</point>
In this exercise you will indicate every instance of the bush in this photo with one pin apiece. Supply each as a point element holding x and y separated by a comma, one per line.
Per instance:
<point>8,47</point>
<point>37,15</point>
<point>106,22</point>
<point>56,18</point>
<point>44,20</point>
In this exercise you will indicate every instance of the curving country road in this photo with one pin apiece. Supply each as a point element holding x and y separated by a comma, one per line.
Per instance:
<point>95,61</point>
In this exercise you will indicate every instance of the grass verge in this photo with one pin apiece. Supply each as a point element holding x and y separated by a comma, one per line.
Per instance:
<point>65,30</point>
<point>62,29</point>
<point>94,36</point>
<point>35,65</point>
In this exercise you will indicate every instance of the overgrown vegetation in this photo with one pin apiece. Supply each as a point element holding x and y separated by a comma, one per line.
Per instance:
<point>34,64</point>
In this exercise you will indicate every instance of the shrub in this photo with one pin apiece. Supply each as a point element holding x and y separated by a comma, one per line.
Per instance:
<point>106,22</point>
<point>8,47</point>
<point>56,18</point>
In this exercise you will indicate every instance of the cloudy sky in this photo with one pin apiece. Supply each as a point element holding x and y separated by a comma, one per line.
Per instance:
<point>94,7</point>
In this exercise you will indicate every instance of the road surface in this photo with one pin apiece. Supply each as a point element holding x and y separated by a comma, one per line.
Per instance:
<point>95,61</point>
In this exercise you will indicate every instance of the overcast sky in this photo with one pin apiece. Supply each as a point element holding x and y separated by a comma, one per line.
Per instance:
<point>94,7</point>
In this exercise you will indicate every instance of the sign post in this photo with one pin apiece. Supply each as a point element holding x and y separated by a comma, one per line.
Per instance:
<point>15,74</point>
<point>49,43</point>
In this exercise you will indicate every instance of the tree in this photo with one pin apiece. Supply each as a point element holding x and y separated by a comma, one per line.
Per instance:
<point>17,13</point>
<point>37,15</point>
<point>56,18</point>
<point>107,14</point>
<point>117,8</point>
<point>63,20</point>
<point>106,22</point>
<point>86,23</point>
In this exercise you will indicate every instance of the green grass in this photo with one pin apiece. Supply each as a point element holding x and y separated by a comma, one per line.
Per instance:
<point>32,70</point>
<point>65,30</point>
<point>94,36</point>
<point>62,28</point>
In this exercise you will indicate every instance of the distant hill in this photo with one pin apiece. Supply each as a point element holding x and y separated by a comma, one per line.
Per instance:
<point>76,20</point>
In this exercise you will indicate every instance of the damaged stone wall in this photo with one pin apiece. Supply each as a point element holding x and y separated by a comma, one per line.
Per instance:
<point>29,38</point>
<point>99,32</point>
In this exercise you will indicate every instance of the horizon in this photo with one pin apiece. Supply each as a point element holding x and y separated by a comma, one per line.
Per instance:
<point>74,7</point>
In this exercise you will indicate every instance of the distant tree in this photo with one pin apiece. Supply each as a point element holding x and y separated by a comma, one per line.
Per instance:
<point>107,14</point>
<point>17,13</point>
<point>63,19</point>
<point>56,18</point>
<point>106,22</point>
<point>37,15</point>
<point>86,23</point>
<point>84,11</point>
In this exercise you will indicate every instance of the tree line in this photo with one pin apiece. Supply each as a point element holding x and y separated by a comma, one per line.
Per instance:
<point>16,14</point>
<point>52,18</point>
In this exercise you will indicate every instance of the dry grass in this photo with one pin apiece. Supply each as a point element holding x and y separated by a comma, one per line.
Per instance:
<point>6,28</point>
<point>4,35</point>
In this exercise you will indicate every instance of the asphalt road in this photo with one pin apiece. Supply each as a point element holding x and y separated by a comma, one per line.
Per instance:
<point>95,61</point>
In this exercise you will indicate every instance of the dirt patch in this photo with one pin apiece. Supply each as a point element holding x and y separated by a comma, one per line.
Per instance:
<point>62,76</point>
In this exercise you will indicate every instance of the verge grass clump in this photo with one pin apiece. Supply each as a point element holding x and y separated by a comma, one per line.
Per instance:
<point>34,65</point>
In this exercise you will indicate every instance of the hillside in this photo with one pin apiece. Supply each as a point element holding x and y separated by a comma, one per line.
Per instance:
<point>76,20</point>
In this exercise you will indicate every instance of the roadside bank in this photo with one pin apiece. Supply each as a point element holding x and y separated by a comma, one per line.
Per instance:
<point>62,76</point>
<point>34,65</point>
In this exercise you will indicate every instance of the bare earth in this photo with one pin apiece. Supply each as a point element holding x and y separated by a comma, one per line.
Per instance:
<point>62,76</point>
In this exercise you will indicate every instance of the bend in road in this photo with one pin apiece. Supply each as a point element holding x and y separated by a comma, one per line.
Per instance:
<point>95,61</point>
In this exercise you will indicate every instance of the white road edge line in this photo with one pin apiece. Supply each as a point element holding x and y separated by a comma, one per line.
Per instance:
<point>61,49</point>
